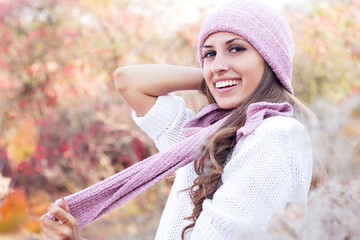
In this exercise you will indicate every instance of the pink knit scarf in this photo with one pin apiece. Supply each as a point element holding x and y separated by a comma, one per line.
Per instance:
<point>95,201</point>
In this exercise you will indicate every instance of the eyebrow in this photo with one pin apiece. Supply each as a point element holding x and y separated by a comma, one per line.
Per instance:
<point>227,42</point>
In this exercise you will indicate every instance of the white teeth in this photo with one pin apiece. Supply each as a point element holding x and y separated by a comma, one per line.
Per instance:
<point>226,83</point>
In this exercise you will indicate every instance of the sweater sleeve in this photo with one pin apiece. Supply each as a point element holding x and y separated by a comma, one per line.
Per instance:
<point>162,123</point>
<point>267,169</point>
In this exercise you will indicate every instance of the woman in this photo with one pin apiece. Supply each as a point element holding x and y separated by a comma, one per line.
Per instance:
<point>257,156</point>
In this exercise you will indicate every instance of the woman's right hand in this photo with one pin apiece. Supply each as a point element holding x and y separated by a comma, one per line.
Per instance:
<point>65,228</point>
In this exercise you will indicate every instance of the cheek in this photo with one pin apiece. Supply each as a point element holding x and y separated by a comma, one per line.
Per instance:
<point>256,70</point>
<point>207,75</point>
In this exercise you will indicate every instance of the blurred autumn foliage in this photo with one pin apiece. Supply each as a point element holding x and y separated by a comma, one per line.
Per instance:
<point>63,126</point>
<point>327,49</point>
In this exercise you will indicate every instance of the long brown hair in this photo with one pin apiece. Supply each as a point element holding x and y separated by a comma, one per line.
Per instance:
<point>213,155</point>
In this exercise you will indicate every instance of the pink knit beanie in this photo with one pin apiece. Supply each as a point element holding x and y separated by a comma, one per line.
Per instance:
<point>266,30</point>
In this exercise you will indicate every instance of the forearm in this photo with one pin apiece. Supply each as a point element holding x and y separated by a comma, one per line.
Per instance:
<point>140,85</point>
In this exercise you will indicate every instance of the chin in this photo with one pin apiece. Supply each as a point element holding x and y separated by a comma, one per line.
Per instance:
<point>228,105</point>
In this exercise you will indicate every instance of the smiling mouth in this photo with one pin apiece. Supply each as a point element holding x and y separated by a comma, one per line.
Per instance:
<point>227,83</point>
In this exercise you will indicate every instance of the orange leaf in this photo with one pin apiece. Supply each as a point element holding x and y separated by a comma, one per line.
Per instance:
<point>357,89</point>
<point>21,140</point>
<point>14,211</point>
<point>351,130</point>
<point>33,225</point>
<point>39,203</point>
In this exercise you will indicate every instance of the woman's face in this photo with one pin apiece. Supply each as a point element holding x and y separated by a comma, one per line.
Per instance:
<point>232,68</point>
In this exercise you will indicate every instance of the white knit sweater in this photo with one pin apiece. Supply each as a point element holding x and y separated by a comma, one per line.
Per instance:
<point>266,170</point>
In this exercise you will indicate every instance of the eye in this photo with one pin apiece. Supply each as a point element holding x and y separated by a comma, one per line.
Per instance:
<point>209,54</point>
<point>236,48</point>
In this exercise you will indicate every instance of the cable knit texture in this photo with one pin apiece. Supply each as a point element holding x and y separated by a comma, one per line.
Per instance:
<point>266,30</point>
<point>93,202</point>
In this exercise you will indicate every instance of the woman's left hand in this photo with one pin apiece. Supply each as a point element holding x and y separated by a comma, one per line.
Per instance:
<point>65,228</point>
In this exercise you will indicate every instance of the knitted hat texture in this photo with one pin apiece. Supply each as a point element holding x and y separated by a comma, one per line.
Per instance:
<point>265,29</point>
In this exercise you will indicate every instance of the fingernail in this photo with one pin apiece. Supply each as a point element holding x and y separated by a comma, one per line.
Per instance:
<point>64,204</point>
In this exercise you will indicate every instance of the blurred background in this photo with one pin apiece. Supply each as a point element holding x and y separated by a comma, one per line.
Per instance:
<point>63,126</point>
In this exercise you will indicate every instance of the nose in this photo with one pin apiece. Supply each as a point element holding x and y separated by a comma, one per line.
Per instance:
<point>220,64</point>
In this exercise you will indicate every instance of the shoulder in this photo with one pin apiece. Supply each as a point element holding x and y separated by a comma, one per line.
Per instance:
<point>286,130</point>
<point>274,135</point>
<point>282,124</point>
<point>284,127</point>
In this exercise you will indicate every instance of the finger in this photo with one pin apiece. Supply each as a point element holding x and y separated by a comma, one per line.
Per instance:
<point>45,231</point>
<point>60,214</point>
<point>49,228</point>
<point>63,204</point>
<point>53,230</point>
<point>64,218</point>
<point>48,225</point>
